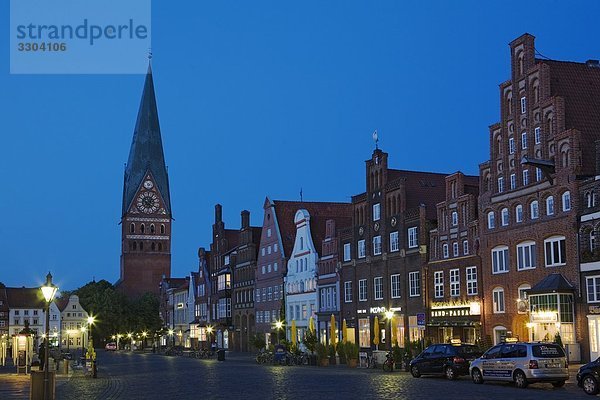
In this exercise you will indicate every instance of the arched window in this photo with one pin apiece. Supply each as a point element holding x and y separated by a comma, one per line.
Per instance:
<point>520,64</point>
<point>534,210</point>
<point>160,247</point>
<point>509,103</point>
<point>505,218</point>
<point>519,213</point>
<point>301,243</point>
<point>491,220</point>
<point>153,246</point>
<point>555,251</point>
<point>162,228</point>
<point>592,240</point>
<point>588,199</point>
<point>526,255</point>
<point>498,301</point>
<point>142,228</point>
<point>565,154</point>
<point>152,228</point>
<point>132,228</point>
<point>454,218</point>
<point>566,201</point>
<point>550,205</point>
<point>499,334</point>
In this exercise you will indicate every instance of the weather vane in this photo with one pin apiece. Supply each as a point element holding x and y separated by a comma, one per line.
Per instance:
<point>376,139</point>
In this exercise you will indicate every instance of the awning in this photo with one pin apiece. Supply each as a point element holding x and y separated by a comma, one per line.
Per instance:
<point>553,283</point>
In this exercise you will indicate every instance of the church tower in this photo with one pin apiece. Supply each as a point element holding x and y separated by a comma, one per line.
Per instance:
<point>146,216</point>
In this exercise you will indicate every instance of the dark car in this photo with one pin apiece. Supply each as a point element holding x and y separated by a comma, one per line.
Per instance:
<point>447,359</point>
<point>588,377</point>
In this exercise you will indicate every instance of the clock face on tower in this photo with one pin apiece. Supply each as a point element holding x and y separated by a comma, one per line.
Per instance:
<point>148,203</point>
<point>148,185</point>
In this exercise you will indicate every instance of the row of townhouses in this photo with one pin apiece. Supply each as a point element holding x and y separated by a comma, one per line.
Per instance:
<point>24,309</point>
<point>512,252</point>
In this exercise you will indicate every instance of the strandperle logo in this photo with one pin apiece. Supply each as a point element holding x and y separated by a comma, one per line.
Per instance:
<point>79,36</point>
<point>85,30</point>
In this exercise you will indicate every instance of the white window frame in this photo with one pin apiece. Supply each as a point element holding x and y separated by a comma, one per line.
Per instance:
<point>537,135</point>
<point>498,301</point>
<point>376,245</point>
<point>471,278</point>
<point>376,212</point>
<point>593,297</point>
<point>454,282</point>
<point>362,252</point>
<point>566,201</point>
<point>534,209</point>
<point>491,218</point>
<point>347,254</point>
<point>378,288</point>
<point>395,286</point>
<point>523,105</point>
<point>445,252</point>
<point>438,283</point>
<point>538,174</point>
<point>524,140</point>
<point>454,218</point>
<point>526,255</point>
<point>500,184</point>
<point>550,205</point>
<point>500,260</point>
<point>348,292</point>
<point>504,216</point>
<point>413,239</point>
<point>394,242</point>
<point>555,244</point>
<point>465,247</point>
<point>414,284</point>
<point>511,145</point>
<point>455,249</point>
<point>519,213</point>
<point>513,181</point>
<point>525,177</point>
<point>362,290</point>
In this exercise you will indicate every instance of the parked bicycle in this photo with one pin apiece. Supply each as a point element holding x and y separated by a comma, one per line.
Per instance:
<point>264,357</point>
<point>388,364</point>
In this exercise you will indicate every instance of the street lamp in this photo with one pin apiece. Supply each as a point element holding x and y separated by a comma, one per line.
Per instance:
<point>144,334</point>
<point>389,315</point>
<point>278,325</point>
<point>90,322</point>
<point>83,329</point>
<point>119,336</point>
<point>49,291</point>
<point>171,331</point>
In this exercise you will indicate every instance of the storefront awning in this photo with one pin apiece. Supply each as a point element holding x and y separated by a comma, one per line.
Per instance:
<point>553,283</point>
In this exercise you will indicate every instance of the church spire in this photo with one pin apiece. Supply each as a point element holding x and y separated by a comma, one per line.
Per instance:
<point>146,153</point>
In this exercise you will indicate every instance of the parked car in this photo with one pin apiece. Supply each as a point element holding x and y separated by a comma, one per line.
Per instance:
<point>588,377</point>
<point>111,346</point>
<point>451,360</point>
<point>522,363</point>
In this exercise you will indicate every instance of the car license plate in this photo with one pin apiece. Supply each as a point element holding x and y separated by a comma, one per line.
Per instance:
<point>552,365</point>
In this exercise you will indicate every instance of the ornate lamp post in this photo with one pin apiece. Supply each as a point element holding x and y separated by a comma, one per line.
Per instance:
<point>90,322</point>
<point>49,291</point>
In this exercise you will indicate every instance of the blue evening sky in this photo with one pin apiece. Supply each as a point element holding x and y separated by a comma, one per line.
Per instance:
<point>258,99</point>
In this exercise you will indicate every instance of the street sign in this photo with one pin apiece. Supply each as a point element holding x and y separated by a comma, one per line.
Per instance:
<point>421,320</point>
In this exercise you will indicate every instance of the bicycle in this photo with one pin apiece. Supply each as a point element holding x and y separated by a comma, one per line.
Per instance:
<point>388,364</point>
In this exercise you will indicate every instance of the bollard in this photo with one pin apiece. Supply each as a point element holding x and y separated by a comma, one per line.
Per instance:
<point>66,367</point>
<point>94,369</point>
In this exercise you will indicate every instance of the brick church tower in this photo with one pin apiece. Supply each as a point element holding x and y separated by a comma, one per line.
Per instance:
<point>146,216</point>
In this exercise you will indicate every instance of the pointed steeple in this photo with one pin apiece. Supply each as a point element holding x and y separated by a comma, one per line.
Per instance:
<point>146,153</point>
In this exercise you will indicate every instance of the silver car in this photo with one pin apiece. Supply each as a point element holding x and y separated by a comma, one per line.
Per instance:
<point>522,363</point>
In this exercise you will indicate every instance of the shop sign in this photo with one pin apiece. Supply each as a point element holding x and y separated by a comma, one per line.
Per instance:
<point>594,309</point>
<point>452,312</point>
<point>544,317</point>
<point>382,310</point>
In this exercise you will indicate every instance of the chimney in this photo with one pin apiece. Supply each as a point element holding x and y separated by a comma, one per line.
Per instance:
<point>245,219</point>
<point>218,213</point>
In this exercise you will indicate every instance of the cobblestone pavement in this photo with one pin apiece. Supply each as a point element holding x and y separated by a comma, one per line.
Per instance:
<point>152,376</point>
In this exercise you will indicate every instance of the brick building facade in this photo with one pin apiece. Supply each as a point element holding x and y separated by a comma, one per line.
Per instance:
<point>528,204</point>
<point>386,251</point>
<point>453,274</point>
